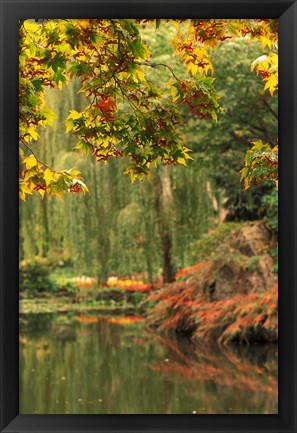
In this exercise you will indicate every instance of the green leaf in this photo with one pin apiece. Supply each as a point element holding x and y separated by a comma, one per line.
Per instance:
<point>138,49</point>
<point>37,83</point>
<point>57,62</point>
<point>95,38</point>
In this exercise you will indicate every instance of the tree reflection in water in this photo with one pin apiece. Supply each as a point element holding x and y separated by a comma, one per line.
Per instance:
<point>112,365</point>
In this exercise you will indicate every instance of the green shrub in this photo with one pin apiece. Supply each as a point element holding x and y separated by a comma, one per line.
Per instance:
<point>274,254</point>
<point>253,264</point>
<point>34,275</point>
<point>270,202</point>
<point>210,243</point>
<point>62,281</point>
<point>136,298</point>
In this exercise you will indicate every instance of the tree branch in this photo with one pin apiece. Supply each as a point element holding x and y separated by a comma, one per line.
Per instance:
<point>155,65</point>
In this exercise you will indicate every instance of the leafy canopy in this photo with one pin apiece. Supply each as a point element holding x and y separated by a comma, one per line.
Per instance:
<point>127,115</point>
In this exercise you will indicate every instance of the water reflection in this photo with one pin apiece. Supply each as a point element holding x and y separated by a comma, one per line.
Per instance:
<point>96,365</point>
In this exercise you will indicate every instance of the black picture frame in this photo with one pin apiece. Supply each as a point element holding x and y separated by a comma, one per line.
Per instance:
<point>11,12</point>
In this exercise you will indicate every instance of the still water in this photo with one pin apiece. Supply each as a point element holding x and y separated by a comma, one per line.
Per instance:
<point>113,365</point>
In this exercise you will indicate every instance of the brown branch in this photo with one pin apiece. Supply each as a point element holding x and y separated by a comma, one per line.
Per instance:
<point>155,65</point>
<point>270,109</point>
<point>37,158</point>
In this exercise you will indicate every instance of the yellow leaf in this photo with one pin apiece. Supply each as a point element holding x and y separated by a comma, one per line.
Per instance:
<point>23,190</point>
<point>41,192</point>
<point>271,84</point>
<point>261,62</point>
<point>31,26</point>
<point>49,115</point>
<point>140,74</point>
<point>30,162</point>
<point>29,174</point>
<point>193,69</point>
<point>182,161</point>
<point>188,157</point>
<point>73,172</point>
<point>31,131</point>
<point>64,48</point>
<point>48,176</point>
<point>22,195</point>
<point>174,93</point>
<point>169,83</point>
<point>73,114</point>
<point>69,124</point>
<point>265,41</point>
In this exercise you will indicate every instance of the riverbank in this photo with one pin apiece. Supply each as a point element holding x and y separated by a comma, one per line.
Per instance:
<point>62,305</point>
<point>229,296</point>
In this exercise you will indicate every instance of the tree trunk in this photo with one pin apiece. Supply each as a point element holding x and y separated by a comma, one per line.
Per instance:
<point>46,233</point>
<point>163,202</point>
<point>102,247</point>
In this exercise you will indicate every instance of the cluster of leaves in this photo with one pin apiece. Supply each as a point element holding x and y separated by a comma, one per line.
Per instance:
<point>242,318</point>
<point>34,177</point>
<point>267,67</point>
<point>261,162</point>
<point>209,33</point>
<point>43,52</point>
<point>126,114</point>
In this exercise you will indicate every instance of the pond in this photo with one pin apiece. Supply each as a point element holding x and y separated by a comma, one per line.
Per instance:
<point>76,364</point>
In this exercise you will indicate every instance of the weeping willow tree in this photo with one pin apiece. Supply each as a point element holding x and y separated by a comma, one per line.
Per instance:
<point>118,228</point>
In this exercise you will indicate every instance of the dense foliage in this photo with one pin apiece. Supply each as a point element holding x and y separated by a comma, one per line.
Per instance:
<point>127,114</point>
<point>242,318</point>
<point>146,227</point>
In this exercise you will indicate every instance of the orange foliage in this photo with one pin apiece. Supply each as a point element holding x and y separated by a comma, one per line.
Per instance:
<point>127,320</point>
<point>242,318</point>
<point>122,320</point>
<point>131,285</point>
<point>204,363</point>
<point>188,270</point>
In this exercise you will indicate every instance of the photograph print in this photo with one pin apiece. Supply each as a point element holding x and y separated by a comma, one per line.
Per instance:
<point>148,216</point>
